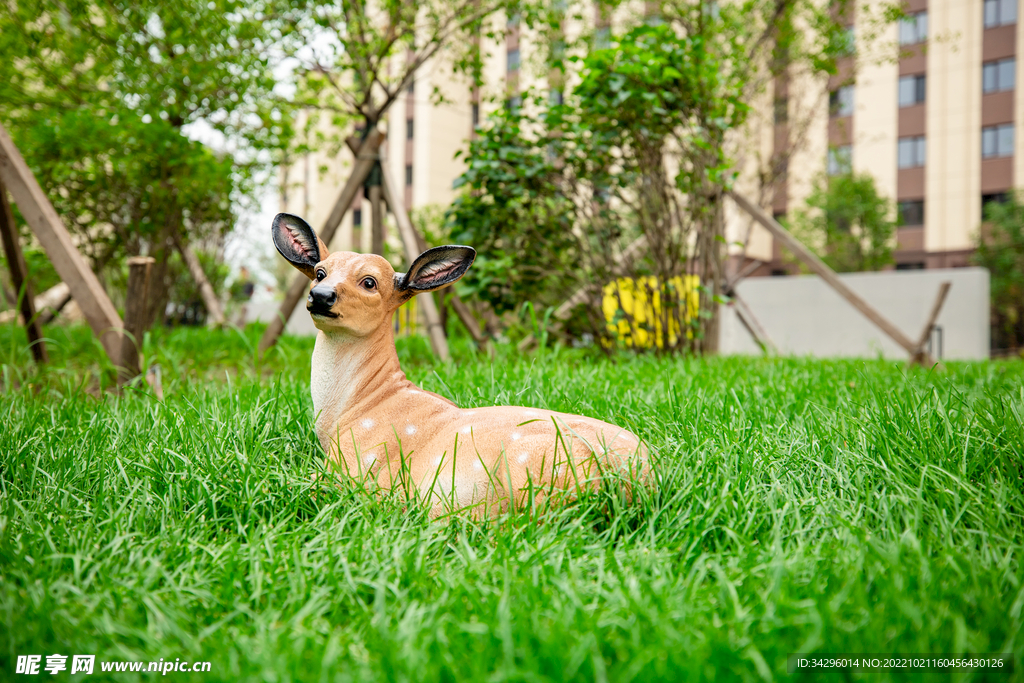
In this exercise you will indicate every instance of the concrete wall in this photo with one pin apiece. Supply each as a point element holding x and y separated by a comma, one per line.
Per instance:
<point>804,316</point>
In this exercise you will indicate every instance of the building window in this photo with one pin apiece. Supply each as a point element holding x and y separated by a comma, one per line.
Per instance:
<point>408,129</point>
<point>997,141</point>
<point>357,217</point>
<point>912,212</point>
<point>998,76</point>
<point>910,152</point>
<point>513,104</point>
<point>1000,12</point>
<point>408,174</point>
<point>840,102</point>
<point>914,28</point>
<point>555,97</point>
<point>411,88</point>
<point>915,265</point>
<point>911,90</point>
<point>603,38</point>
<point>781,110</point>
<point>987,199</point>
<point>839,159</point>
<point>513,60</point>
<point>476,114</point>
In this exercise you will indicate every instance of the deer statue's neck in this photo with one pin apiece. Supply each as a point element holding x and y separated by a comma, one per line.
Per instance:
<point>350,375</point>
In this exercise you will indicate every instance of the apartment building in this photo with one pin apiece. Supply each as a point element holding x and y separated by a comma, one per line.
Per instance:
<point>933,111</point>
<point>937,127</point>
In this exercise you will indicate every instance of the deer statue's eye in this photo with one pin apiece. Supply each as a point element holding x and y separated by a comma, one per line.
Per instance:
<point>369,284</point>
<point>320,274</point>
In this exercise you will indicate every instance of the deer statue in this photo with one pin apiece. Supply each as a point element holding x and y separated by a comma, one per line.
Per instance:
<point>376,425</point>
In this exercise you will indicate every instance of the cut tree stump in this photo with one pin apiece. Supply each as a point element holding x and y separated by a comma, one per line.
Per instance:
<point>136,298</point>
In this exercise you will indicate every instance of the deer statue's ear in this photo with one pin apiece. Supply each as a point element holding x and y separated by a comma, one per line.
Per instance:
<point>434,269</point>
<point>298,243</point>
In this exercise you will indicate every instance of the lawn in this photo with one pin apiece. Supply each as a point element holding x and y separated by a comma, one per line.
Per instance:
<point>802,506</point>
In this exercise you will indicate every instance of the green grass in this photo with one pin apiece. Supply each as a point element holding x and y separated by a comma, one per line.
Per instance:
<point>803,506</point>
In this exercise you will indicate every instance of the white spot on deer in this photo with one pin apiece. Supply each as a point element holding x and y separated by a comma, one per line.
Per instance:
<point>410,429</point>
<point>369,459</point>
<point>467,414</point>
<point>478,464</point>
<point>413,391</point>
<point>516,436</point>
<point>467,429</point>
<point>367,423</point>
<point>523,457</point>
<point>531,413</point>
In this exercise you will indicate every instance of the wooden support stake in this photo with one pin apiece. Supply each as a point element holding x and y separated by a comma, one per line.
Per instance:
<point>435,330</point>
<point>753,325</point>
<point>19,278</point>
<point>828,275</point>
<point>472,326</point>
<point>214,312</point>
<point>919,356</point>
<point>378,233</point>
<point>135,305</point>
<point>73,269</point>
<point>365,159</point>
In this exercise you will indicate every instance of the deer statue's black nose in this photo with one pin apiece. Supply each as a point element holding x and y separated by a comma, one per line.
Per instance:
<point>321,298</point>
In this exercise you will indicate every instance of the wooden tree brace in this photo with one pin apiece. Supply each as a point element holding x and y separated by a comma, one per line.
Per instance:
<point>365,159</point>
<point>42,218</point>
<point>435,330</point>
<point>213,309</point>
<point>19,278</point>
<point>829,276</point>
<point>920,356</point>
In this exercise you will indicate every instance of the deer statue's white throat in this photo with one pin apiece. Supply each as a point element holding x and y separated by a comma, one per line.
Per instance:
<point>376,425</point>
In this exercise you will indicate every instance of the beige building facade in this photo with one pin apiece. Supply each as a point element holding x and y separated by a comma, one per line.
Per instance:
<point>931,107</point>
<point>932,110</point>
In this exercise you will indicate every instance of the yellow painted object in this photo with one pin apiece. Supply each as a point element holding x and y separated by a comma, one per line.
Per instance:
<point>633,309</point>
<point>406,318</point>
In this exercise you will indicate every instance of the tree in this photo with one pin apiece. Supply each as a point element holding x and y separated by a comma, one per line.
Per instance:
<point>101,102</point>
<point>641,149</point>
<point>356,58</point>
<point>848,223</point>
<point>514,211</point>
<point>1000,248</point>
